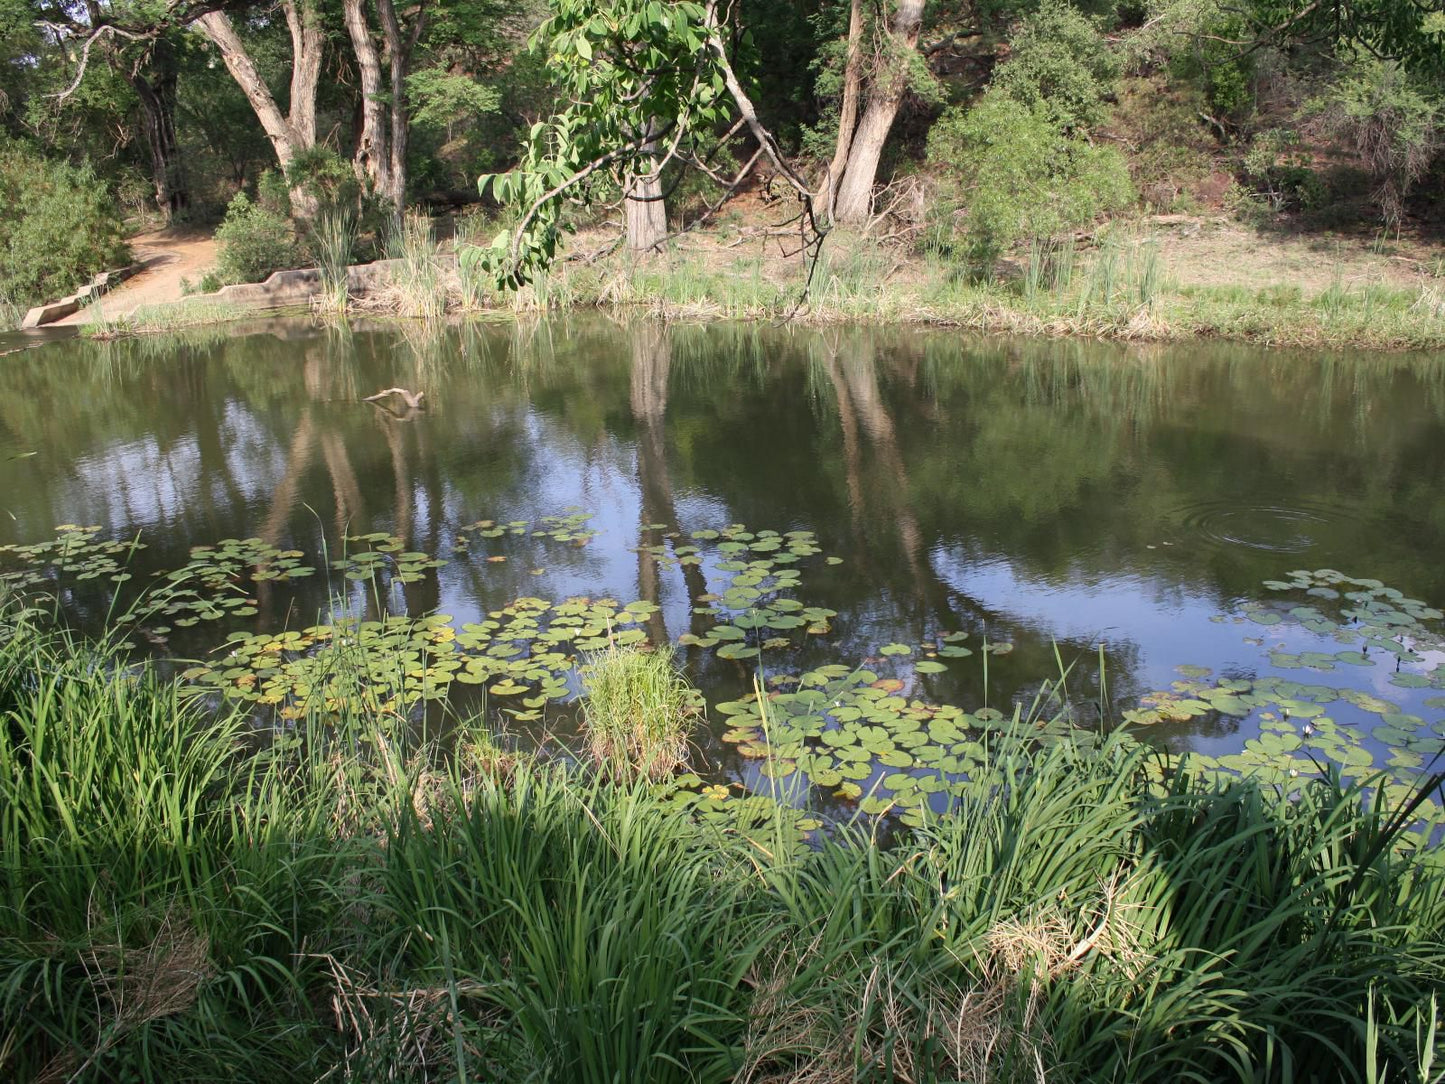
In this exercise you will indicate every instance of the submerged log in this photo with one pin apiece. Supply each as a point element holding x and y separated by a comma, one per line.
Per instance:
<point>411,398</point>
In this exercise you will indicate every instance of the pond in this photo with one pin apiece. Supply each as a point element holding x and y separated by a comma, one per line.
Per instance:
<point>902,534</point>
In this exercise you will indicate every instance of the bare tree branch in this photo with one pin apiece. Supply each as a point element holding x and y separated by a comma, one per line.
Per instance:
<point>103,31</point>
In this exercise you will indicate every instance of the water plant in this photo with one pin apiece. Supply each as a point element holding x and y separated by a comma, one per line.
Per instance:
<point>332,243</point>
<point>637,711</point>
<point>418,287</point>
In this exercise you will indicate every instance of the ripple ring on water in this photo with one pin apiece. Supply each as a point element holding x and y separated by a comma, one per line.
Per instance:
<point>1271,528</point>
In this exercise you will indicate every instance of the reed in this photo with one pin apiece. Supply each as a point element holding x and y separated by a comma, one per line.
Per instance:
<point>637,711</point>
<point>418,286</point>
<point>333,243</point>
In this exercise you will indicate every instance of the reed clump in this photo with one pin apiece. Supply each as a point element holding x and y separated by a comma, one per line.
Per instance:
<point>184,896</point>
<point>638,711</point>
<point>419,286</point>
<point>333,244</point>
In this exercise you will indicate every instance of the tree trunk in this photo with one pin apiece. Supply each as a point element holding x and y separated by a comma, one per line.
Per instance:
<point>399,50</point>
<point>306,44</point>
<point>156,89</point>
<point>307,40</point>
<point>372,159</point>
<point>296,131</point>
<point>848,112</point>
<point>646,216</point>
<point>854,202</point>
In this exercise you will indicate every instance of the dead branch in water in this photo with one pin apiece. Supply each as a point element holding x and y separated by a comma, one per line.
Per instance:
<point>412,399</point>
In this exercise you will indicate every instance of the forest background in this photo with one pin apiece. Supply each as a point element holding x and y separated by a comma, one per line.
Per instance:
<point>992,137</point>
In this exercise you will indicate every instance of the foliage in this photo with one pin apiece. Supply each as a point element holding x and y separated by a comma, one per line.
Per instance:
<point>1170,149</point>
<point>1411,33</point>
<point>253,242</point>
<point>1060,66</point>
<point>1194,40</point>
<point>634,74</point>
<point>1395,124</point>
<point>1020,176</point>
<point>322,174</point>
<point>60,227</point>
<point>1280,171</point>
<point>442,99</point>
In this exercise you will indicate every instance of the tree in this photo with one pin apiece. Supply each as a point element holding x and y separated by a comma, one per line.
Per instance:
<point>139,43</point>
<point>295,131</point>
<point>645,85</point>
<point>854,200</point>
<point>633,75</point>
<point>1395,124</point>
<point>153,75</point>
<point>886,60</point>
<point>380,155</point>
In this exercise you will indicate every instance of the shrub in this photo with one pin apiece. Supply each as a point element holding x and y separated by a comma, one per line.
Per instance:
<point>59,229</point>
<point>322,174</point>
<point>1020,176</point>
<point>1060,66</point>
<point>1280,171</point>
<point>271,193</point>
<point>254,242</point>
<point>1393,122</point>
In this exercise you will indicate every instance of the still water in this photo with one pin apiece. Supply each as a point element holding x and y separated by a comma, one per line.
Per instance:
<point>1072,504</point>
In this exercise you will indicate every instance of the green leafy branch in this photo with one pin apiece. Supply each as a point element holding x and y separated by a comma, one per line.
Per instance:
<point>646,84</point>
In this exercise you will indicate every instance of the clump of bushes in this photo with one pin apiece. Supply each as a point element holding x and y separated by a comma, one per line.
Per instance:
<point>1061,67</point>
<point>254,240</point>
<point>1394,123</point>
<point>1020,159</point>
<point>1020,175</point>
<point>60,228</point>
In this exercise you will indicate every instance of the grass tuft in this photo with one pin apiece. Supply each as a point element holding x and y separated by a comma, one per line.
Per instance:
<point>333,242</point>
<point>638,711</point>
<point>418,285</point>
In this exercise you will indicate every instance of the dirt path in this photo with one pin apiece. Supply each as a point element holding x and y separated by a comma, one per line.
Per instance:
<point>169,255</point>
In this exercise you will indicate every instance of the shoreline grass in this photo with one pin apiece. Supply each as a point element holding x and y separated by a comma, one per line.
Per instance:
<point>185,898</point>
<point>1118,291</point>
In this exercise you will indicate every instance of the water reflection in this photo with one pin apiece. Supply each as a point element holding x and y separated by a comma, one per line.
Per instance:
<point>1058,496</point>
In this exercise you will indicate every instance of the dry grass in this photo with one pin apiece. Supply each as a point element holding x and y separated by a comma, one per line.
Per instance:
<point>134,985</point>
<point>394,1035</point>
<point>794,1038</point>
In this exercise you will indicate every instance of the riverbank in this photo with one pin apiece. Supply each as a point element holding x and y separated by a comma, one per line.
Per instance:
<point>1157,280</point>
<point>181,899</point>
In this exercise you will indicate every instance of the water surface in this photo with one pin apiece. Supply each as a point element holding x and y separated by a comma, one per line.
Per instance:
<point>1079,502</point>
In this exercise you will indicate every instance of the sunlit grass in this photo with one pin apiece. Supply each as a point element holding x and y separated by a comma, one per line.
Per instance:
<point>638,711</point>
<point>418,285</point>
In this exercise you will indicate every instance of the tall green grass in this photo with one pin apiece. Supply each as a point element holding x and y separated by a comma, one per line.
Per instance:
<point>333,242</point>
<point>184,895</point>
<point>638,711</point>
